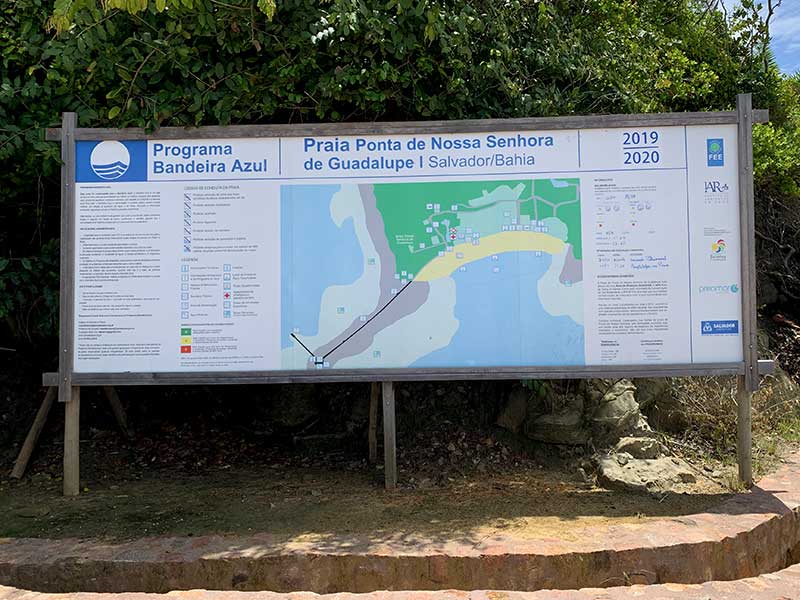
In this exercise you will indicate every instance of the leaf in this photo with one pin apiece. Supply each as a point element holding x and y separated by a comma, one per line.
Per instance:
<point>113,111</point>
<point>3,263</point>
<point>26,263</point>
<point>267,7</point>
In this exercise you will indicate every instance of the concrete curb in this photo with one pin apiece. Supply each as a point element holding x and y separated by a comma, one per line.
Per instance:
<point>746,536</point>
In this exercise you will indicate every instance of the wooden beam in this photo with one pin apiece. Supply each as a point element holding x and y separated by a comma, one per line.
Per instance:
<point>412,127</point>
<point>72,417</point>
<point>66,332</point>
<point>744,432</point>
<point>33,435</point>
<point>372,430</point>
<point>749,329</point>
<point>410,374</point>
<point>118,410</point>
<point>389,436</point>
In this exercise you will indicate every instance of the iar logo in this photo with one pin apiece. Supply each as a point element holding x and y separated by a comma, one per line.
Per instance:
<point>715,187</point>
<point>110,160</point>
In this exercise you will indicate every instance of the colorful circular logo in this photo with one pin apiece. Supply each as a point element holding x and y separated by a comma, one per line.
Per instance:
<point>110,160</point>
<point>715,147</point>
<point>718,247</point>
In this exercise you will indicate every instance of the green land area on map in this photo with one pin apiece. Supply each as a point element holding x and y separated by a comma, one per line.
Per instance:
<point>423,219</point>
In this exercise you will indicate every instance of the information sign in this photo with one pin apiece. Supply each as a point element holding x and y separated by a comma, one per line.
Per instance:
<point>503,248</point>
<point>568,247</point>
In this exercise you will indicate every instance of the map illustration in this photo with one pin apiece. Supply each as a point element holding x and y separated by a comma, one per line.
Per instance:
<point>432,274</point>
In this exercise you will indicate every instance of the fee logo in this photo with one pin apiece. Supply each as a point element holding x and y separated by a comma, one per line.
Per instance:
<point>715,152</point>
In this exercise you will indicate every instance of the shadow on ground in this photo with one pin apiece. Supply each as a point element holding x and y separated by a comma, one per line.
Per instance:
<point>317,504</point>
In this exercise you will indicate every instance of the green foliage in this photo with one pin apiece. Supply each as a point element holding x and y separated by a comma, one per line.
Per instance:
<point>148,63</point>
<point>29,302</point>
<point>776,156</point>
<point>776,145</point>
<point>539,388</point>
<point>64,11</point>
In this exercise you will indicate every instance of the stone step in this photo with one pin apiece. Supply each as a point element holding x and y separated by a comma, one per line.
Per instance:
<point>747,535</point>
<point>783,585</point>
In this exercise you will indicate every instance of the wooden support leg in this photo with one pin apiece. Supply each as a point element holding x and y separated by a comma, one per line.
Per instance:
<point>33,435</point>
<point>744,451</point>
<point>72,413</point>
<point>372,431</point>
<point>118,410</point>
<point>389,436</point>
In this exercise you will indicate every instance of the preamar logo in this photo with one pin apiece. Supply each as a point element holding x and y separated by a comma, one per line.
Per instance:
<point>733,288</point>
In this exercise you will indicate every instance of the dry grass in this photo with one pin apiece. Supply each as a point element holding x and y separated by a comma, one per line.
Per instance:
<point>709,406</point>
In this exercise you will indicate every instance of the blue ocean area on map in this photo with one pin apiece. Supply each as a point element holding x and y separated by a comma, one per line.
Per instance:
<point>309,264</point>
<point>502,322</point>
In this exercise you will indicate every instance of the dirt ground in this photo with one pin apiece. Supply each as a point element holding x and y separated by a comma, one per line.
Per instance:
<point>220,471</point>
<point>310,503</point>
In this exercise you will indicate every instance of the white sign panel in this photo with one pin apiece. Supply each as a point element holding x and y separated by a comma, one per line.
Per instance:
<point>514,249</point>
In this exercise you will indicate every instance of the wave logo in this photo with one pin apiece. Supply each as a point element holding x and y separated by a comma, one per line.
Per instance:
<point>110,160</point>
<point>719,247</point>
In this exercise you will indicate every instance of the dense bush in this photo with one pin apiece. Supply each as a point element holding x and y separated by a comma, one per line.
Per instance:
<point>776,153</point>
<point>226,62</point>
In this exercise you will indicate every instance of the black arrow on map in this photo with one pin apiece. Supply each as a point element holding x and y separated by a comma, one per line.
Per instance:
<point>367,322</point>
<point>302,344</point>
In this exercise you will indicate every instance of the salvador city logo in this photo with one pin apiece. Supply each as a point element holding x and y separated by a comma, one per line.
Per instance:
<point>110,160</point>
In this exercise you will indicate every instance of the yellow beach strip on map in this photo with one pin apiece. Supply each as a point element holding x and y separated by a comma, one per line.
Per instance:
<point>505,241</point>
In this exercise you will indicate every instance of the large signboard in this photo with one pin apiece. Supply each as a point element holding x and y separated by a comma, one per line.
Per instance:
<point>514,247</point>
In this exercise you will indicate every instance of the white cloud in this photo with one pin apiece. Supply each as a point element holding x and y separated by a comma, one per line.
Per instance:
<point>785,24</point>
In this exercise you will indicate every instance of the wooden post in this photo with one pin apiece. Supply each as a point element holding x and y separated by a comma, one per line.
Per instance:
<point>118,410</point>
<point>33,435</point>
<point>72,417</point>
<point>749,330</point>
<point>747,383</point>
<point>389,436</point>
<point>69,121</point>
<point>744,432</point>
<point>67,392</point>
<point>372,431</point>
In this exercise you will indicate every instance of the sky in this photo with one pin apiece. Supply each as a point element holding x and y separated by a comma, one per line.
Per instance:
<point>785,30</point>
